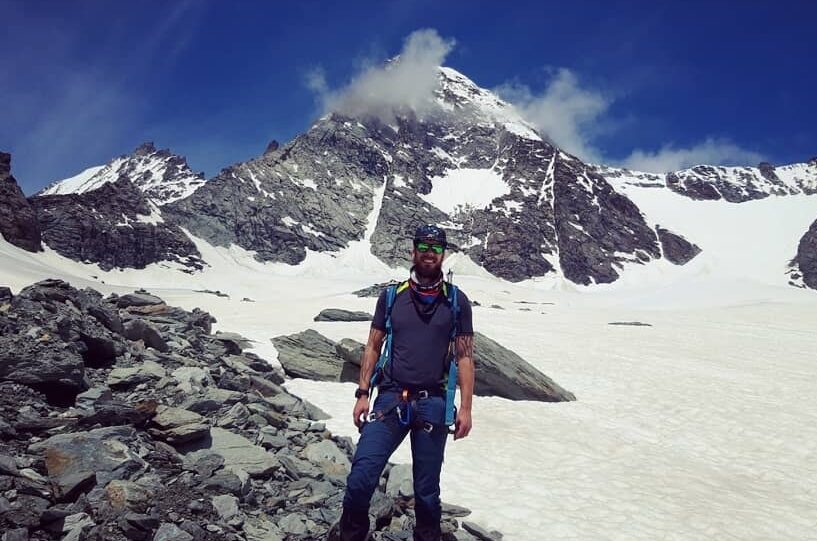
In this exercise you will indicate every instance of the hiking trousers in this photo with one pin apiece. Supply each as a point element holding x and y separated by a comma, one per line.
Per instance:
<point>378,441</point>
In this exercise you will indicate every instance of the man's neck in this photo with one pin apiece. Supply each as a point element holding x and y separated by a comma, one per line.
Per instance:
<point>426,280</point>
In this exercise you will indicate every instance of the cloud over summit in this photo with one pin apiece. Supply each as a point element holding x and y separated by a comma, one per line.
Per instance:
<point>406,82</point>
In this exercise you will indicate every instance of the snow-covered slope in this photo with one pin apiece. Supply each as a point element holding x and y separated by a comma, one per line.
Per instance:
<point>163,176</point>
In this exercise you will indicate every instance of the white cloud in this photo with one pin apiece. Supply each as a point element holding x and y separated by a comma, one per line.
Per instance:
<point>712,151</point>
<point>564,112</point>
<point>384,90</point>
<point>571,116</point>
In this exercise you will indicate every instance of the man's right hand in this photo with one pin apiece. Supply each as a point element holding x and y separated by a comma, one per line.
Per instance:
<point>361,410</point>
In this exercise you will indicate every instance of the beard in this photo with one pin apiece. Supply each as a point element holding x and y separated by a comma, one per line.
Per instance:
<point>427,268</point>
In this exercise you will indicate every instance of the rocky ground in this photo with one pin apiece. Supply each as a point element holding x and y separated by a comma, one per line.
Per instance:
<point>124,418</point>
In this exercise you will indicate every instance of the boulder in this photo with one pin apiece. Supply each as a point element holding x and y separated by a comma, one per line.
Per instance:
<point>501,372</point>
<point>77,461</point>
<point>337,314</point>
<point>311,355</point>
<point>240,453</point>
<point>178,426</point>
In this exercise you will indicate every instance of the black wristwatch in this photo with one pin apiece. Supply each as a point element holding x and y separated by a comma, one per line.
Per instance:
<point>361,392</point>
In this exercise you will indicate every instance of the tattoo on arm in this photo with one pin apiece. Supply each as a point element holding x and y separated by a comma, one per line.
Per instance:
<point>465,346</point>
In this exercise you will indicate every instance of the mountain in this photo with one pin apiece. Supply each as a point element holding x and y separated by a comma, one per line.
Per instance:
<point>803,268</point>
<point>163,176</point>
<point>513,202</point>
<point>113,225</point>
<point>18,222</point>
<point>732,184</point>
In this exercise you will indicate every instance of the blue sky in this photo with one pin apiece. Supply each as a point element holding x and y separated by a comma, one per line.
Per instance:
<point>641,83</point>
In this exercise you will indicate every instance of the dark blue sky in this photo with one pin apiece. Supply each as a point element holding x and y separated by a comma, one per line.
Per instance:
<point>214,81</point>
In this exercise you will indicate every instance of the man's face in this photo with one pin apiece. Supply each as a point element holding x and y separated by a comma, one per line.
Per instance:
<point>427,262</point>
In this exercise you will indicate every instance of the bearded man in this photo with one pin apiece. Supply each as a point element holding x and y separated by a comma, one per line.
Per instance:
<point>418,322</point>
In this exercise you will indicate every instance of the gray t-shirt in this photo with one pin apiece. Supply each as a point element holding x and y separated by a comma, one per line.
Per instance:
<point>421,338</point>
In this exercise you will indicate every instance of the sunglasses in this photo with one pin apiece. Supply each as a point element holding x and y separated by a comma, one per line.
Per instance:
<point>423,247</point>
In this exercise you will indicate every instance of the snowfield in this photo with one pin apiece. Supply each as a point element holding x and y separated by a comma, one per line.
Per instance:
<point>701,426</point>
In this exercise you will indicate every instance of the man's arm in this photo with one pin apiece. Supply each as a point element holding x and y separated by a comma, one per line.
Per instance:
<point>367,364</point>
<point>465,363</point>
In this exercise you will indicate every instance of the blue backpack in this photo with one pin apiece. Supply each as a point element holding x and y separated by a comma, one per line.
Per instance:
<point>450,292</point>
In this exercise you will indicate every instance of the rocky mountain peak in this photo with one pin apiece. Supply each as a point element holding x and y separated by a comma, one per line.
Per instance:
<point>145,149</point>
<point>18,220</point>
<point>163,176</point>
<point>5,165</point>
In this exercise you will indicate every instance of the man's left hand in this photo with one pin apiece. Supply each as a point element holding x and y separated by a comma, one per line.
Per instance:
<point>463,424</point>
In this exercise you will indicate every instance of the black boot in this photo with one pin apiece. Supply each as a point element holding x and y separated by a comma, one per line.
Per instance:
<point>354,526</point>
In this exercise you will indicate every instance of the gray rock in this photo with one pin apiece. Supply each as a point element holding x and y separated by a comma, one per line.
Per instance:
<point>18,220</point>
<point>139,329</point>
<point>805,262</point>
<point>328,456</point>
<point>8,466</point>
<point>350,350</point>
<point>17,534</point>
<point>240,453</point>
<point>178,426</point>
<point>501,372</point>
<point>94,396</point>
<point>130,376</point>
<point>311,355</point>
<point>137,526</point>
<point>481,533</point>
<point>212,400</point>
<point>630,323</point>
<point>676,249</point>
<point>226,482</point>
<point>262,529</point>
<point>237,416</point>
<point>171,532</point>
<point>293,523</point>
<point>203,462</point>
<point>74,460</point>
<point>42,364</point>
<point>192,379</point>
<point>337,314</point>
<point>26,510</point>
<point>226,506</point>
<point>127,495</point>
<point>77,521</point>
<point>400,482</point>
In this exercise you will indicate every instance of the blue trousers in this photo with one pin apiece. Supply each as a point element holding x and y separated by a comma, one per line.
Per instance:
<point>378,441</point>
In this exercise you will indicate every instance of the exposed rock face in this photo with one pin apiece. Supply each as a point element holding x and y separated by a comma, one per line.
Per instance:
<point>318,191</point>
<point>805,262</point>
<point>115,225</point>
<point>163,176</point>
<point>676,248</point>
<point>206,448</point>
<point>18,221</point>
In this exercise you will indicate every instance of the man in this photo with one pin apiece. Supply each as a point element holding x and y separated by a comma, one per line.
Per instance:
<point>411,393</point>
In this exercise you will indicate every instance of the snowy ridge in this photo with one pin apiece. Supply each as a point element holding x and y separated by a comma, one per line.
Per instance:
<point>164,177</point>
<point>734,184</point>
<point>459,92</point>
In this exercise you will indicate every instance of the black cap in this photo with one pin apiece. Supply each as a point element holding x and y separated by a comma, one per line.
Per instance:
<point>430,233</point>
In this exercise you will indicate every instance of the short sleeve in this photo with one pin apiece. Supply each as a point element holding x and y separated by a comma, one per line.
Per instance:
<point>379,319</point>
<point>466,325</point>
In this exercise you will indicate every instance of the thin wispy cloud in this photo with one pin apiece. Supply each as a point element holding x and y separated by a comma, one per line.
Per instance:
<point>572,115</point>
<point>382,90</point>
<point>711,151</point>
<point>564,112</point>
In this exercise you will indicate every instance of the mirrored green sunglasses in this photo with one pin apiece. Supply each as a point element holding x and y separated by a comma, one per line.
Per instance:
<point>423,247</point>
